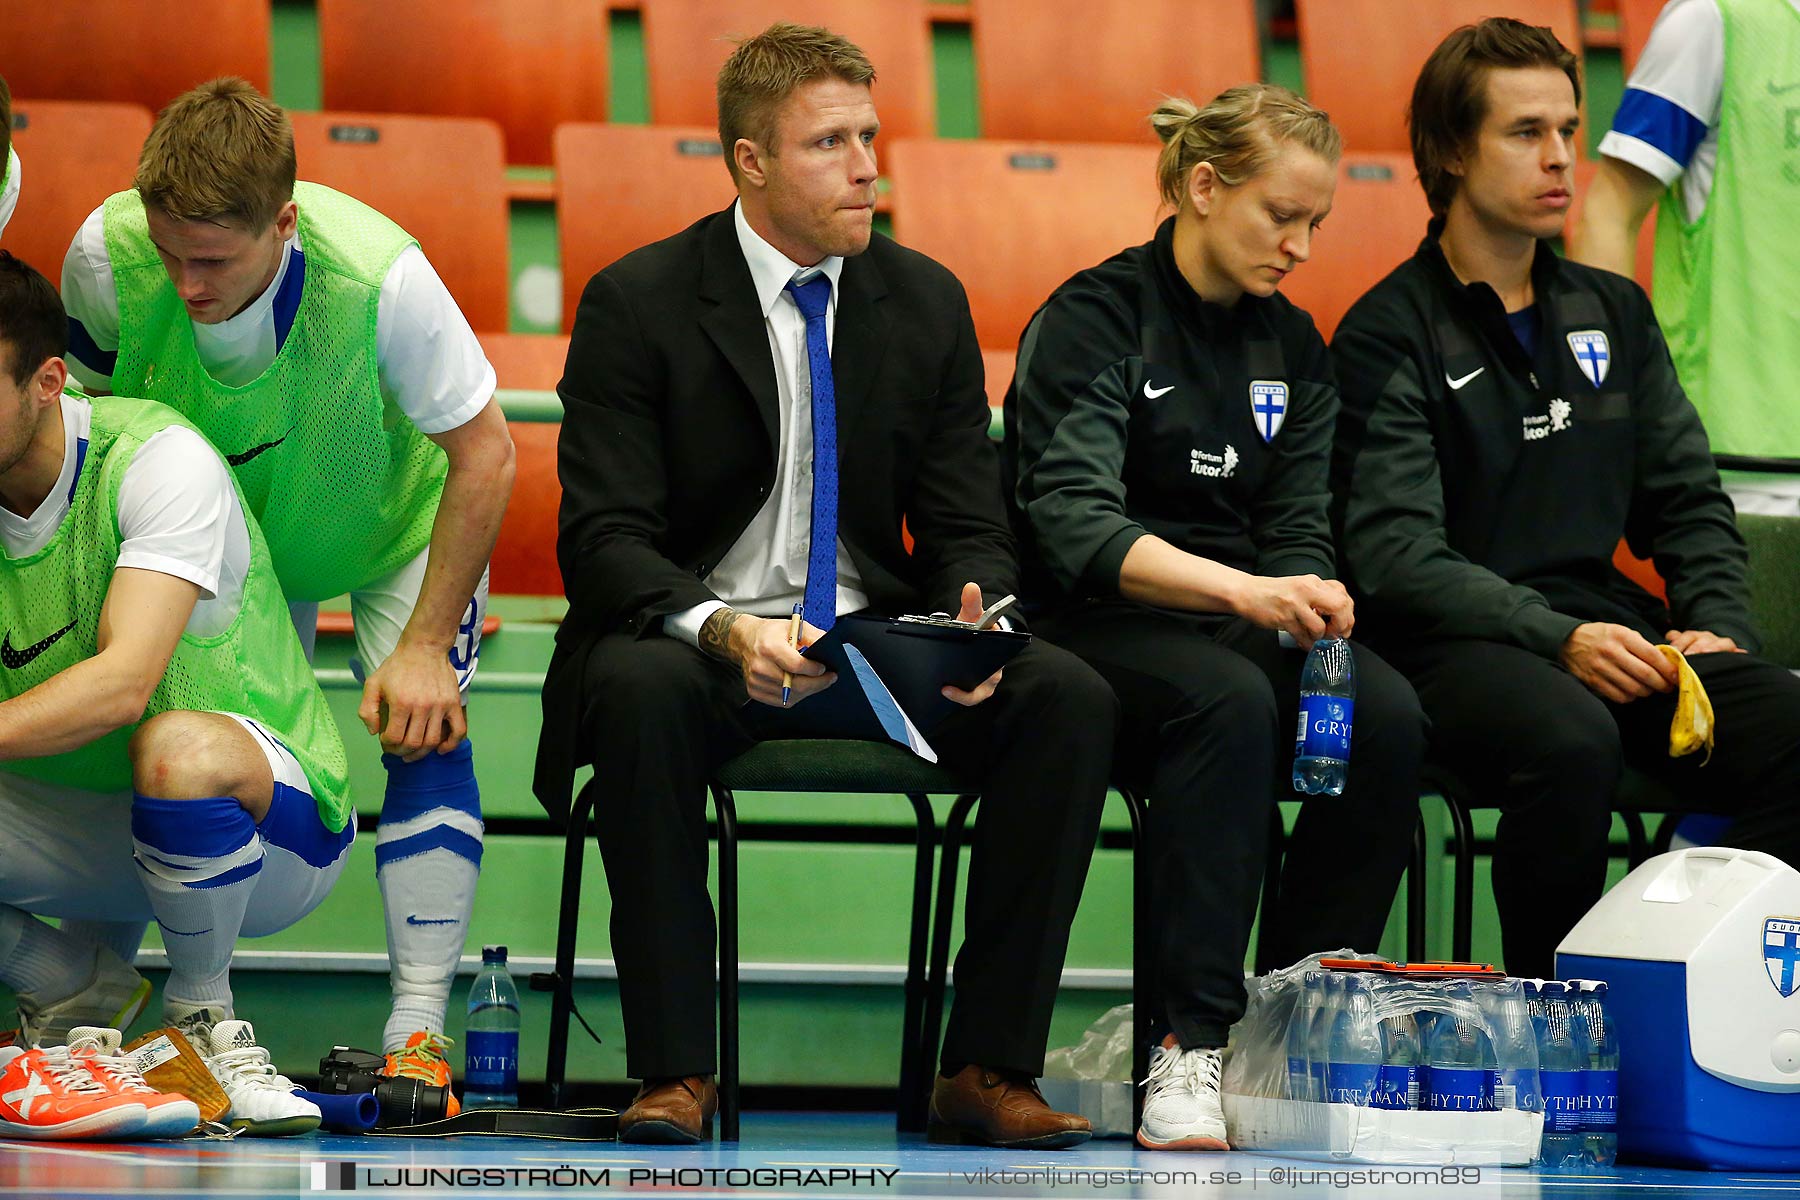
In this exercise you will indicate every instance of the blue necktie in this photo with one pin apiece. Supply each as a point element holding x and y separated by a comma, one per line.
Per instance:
<point>820,608</point>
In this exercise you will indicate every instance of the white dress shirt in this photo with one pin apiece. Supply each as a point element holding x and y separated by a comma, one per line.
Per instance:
<point>764,573</point>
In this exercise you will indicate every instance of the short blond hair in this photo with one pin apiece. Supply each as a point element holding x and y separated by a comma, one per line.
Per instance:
<point>1239,131</point>
<point>764,70</point>
<point>222,152</point>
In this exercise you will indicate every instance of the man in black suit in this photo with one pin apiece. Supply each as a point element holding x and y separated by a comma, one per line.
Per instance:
<point>699,507</point>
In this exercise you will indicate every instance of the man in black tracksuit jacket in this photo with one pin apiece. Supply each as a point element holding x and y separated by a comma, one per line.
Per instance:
<point>1487,464</point>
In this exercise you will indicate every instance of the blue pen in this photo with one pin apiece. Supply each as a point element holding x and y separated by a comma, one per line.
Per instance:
<point>787,677</point>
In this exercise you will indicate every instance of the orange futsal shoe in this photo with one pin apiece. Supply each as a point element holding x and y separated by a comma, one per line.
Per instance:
<point>47,1095</point>
<point>423,1059</point>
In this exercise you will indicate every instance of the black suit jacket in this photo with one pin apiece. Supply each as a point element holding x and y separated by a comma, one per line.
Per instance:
<point>670,434</point>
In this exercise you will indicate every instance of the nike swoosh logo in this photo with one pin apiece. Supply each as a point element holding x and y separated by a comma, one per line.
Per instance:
<point>1782,90</point>
<point>14,659</point>
<point>1151,393</point>
<point>244,456</point>
<point>1456,385</point>
<point>412,919</point>
<point>184,932</point>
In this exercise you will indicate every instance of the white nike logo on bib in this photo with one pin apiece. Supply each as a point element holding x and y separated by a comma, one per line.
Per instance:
<point>1456,385</point>
<point>1151,393</point>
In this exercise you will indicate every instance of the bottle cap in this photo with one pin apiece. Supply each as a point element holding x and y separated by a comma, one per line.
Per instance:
<point>493,954</point>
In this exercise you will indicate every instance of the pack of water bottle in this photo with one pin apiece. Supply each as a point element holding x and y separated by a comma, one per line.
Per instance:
<point>1402,1063</point>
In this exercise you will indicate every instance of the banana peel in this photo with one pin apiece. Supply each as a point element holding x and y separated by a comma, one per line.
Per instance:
<point>1692,727</point>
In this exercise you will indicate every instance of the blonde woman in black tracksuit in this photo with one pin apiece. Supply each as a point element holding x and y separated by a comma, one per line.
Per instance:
<point>1168,434</point>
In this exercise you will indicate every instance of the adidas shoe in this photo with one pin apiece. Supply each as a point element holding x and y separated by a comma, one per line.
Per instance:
<point>263,1103</point>
<point>111,999</point>
<point>46,1095</point>
<point>423,1059</point>
<point>1181,1108</point>
<point>167,1114</point>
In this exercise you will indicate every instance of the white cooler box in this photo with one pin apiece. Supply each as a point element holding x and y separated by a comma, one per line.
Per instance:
<point>1700,950</point>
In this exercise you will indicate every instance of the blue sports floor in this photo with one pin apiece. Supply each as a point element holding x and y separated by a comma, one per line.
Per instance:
<point>782,1154</point>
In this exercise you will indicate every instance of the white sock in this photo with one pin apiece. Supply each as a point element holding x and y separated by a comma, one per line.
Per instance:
<point>41,963</point>
<point>198,860</point>
<point>426,899</point>
<point>427,857</point>
<point>121,937</point>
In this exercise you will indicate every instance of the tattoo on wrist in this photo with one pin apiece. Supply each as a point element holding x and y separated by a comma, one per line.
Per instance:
<point>715,633</point>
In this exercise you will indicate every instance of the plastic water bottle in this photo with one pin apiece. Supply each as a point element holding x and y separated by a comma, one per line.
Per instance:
<point>1600,1082</point>
<point>1318,1038</point>
<point>1459,1059</point>
<point>1353,1060</point>
<point>1402,1064</point>
<point>1299,1030</point>
<point>491,1036</point>
<point>1562,1062</point>
<point>1327,706</point>
<point>1514,1039</point>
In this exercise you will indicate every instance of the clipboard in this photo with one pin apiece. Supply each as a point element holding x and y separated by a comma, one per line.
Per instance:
<point>914,656</point>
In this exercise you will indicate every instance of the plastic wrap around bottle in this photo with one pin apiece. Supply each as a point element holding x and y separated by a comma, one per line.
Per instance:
<point>1378,1031</point>
<point>1368,1042</point>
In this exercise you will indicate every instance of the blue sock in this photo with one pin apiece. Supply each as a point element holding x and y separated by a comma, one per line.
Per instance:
<point>198,860</point>
<point>427,857</point>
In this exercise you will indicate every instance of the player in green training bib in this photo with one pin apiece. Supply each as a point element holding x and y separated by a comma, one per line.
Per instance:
<point>1708,133</point>
<point>306,335</point>
<point>165,751</point>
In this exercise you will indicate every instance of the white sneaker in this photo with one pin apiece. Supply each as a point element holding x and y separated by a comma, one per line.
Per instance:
<point>167,1114</point>
<point>111,999</point>
<point>1181,1109</point>
<point>263,1103</point>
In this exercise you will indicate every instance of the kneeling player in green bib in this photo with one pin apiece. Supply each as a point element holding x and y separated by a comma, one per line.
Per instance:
<point>306,335</point>
<point>165,752</point>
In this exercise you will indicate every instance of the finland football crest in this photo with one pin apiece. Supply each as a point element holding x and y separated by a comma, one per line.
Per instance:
<point>1781,953</point>
<point>1591,353</point>
<point>1268,406</point>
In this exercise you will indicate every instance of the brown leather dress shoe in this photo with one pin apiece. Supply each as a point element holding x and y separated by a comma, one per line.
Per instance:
<point>999,1108</point>
<point>671,1111</point>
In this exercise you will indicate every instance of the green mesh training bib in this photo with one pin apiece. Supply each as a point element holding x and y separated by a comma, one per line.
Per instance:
<point>50,607</point>
<point>345,486</point>
<point>1727,286</point>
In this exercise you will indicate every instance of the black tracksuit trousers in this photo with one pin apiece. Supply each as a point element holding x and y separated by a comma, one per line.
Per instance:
<point>1208,706</point>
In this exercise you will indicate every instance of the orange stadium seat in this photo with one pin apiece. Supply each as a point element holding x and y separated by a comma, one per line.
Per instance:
<point>129,51</point>
<point>1377,219</point>
<point>619,187</point>
<point>524,560</point>
<point>442,178</point>
<point>1635,19</point>
<point>528,64</point>
<point>685,41</point>
<point>998,364</point>
<point>1646,243</point>
<point>1112,62</point>
<point>1015,219</point>
<point>531,362</point>
<point>1361,57</point>
<point>72,156</point>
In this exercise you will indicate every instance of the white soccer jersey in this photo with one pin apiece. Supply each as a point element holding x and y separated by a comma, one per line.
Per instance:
<point>1668,120</point>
